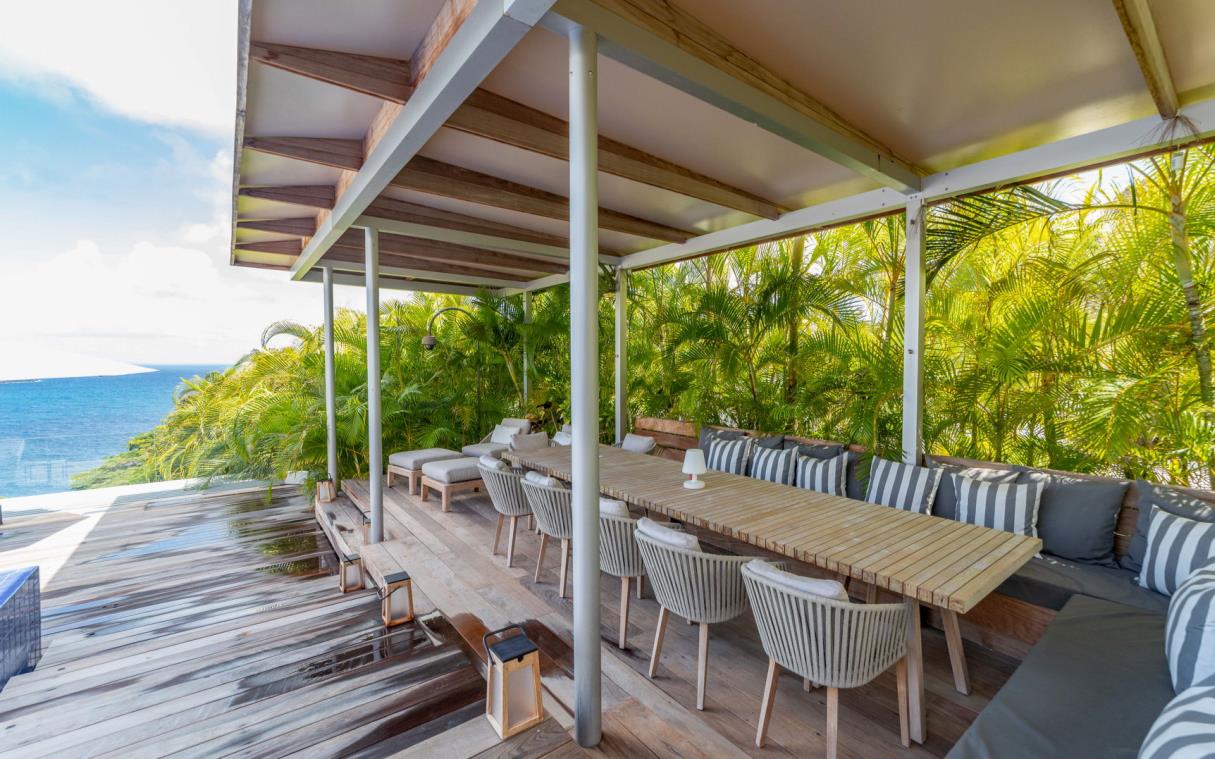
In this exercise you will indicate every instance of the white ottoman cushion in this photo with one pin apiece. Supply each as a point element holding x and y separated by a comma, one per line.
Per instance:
<point>452,470</point>
<point>415,459</point>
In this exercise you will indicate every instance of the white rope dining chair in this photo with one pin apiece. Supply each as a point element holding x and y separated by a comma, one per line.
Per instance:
<point>506,494</point>
<point>620,557</point>
<point>831,642</point>
<point>704,588</point>
<point>555,520</point>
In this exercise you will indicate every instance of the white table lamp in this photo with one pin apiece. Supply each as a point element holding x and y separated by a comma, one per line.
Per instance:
<point>694,464</point>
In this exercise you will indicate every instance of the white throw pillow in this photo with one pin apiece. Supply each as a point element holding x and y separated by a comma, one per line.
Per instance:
<point>610,507</point>
<point>503,435</point>
<point>637,443</point>
<point>563,438</point>
<point>813,585</point>
<point>667,536</point>
<point>492,462</point>
<point>532,441</point>
<point>543,480</point>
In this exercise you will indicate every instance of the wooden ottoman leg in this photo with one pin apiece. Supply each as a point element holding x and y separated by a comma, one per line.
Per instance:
<point>388,478</point>
<point>446,500</point>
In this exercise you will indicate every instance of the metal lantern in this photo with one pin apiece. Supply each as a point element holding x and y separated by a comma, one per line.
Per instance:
<point>513,702</point>
<point>325,491</point>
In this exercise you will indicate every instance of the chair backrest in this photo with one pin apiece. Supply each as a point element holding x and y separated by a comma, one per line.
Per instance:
<point>505,488</point>
<point>523,425</point>
<point>553,509</point>
<point>702,587</point>
<point>638,443</point>
<point>834,643</point>
<point>618,552</point>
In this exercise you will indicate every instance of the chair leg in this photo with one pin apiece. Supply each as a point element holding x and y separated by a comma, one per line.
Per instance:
<point>833,721</point>
<point>565,565</point>
<point>900,673</point>
<point>658,635</point>
<point>957,653</point>
<point>807,685</point>
<point>540,556</point>
<point>766,702</point>
<point>510,541</point>
<point>702,666</point>
<point>624,613</point>
<point>531,522</point>
<point>497,535</point>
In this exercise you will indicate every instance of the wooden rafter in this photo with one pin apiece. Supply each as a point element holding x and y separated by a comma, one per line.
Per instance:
<point>311,195</point>
<point>390,261</point>
<point>437,178</point>
<point>444,251</point>
<point>297,227</point>
<point>497,118</point>
<point>285,247</point>
<point>385,78</point>
<point>1136,18</point>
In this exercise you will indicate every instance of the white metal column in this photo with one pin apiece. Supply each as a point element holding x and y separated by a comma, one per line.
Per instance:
<point>913,333</point>
<point>330,380</point>
<point>584,378</point>
<point>375,441</point>
<point>622,353</point>
<point>527,358</point>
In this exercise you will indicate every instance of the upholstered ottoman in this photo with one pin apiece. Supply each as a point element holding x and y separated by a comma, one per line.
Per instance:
<point>409,464</point>
<point>450,476</point>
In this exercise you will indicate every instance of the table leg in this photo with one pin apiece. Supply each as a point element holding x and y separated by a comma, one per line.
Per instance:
<point>915,672</point>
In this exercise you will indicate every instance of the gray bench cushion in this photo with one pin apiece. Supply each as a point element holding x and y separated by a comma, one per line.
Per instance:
<point>1050,582</point>
<point>477,450</point>
<point>415,459</point>
<point>452,470</point>
<point>1091,687</point>
<point>1077,516</point>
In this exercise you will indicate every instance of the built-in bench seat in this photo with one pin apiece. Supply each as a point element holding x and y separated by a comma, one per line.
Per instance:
<point>1091,687</point>
<point>1050,582</point>
<point>385,566</point>
<point>346,528</point>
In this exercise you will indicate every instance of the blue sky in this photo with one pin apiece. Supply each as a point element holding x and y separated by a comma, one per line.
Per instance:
<point>115,174</point>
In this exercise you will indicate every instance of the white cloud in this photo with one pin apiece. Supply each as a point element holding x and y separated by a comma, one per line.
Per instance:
<point>163,61</point>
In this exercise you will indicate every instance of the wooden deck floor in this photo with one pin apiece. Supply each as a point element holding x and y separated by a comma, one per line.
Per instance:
<point>212,626</point>
<point>449,558</point>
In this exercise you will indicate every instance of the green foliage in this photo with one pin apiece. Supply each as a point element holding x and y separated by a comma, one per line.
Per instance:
<point>1065,328</point>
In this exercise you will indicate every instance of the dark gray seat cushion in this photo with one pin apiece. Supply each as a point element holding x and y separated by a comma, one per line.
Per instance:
<point>1170,500</point>
<point>1077,516</point>
<point>1091,687</point>
<point>1050,582</point>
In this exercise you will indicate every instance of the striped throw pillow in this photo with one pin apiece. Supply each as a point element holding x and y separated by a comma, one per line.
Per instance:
<point>1176,546</point>
<point>729,455</point>
<point>774,465</point>
<point>902,486</point>
<point>824,475</point>
<point>1189,634</point>
<point>1000,505</point>
<point>1186,727</point>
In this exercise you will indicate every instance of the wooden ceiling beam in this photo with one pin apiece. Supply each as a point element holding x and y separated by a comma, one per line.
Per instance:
<point>285,247</point>
<point>401,264</point>
<point>437,178</point>
<point>310,195</point>
<point>435,250</point>
<point>297,227</point>
<point>385,78</point>
<point>500,119</point>
<point>340,154</point>
<point>348,275</point>
<point>1136,18</point>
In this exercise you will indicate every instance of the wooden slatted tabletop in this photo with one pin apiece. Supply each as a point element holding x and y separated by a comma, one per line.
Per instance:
<point>948,564</point>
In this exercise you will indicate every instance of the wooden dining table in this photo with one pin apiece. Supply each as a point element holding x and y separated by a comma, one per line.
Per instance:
<point>930,561</point>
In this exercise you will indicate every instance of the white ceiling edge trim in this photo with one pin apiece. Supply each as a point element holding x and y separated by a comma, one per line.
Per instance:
<point>358,280</point>
<point>489,33</point>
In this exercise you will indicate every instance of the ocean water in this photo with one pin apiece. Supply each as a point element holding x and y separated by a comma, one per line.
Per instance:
<point>51,429</point>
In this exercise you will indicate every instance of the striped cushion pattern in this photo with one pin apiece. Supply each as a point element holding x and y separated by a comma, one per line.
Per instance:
<point>902,486</point>
<point>1000,505</point>
<point>729,455</point>
<point>1176,546</point>
<point>824,475</point>
<point>1189,634</point>
<point>1186,727</point>
<point>774,465</point>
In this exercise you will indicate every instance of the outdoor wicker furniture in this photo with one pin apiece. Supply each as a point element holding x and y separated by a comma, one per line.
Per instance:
<point>555,519</point>
<point>505,488</point>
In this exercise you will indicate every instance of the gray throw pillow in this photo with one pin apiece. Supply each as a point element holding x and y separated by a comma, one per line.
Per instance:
<point>1169,500</point>
<point>1077,516</point>
<point>772,442</point>
<point>818,450</point>
<point>708,434</point>
<point>947,497</point>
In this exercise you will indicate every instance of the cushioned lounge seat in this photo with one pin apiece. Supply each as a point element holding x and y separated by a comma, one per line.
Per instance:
<point>452,470</point>
<point>1091,687</point>
<point>477,450</point>
<point>1051,582</point>
<point>415,459</point>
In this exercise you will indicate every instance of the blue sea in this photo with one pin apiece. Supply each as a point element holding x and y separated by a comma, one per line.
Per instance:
<point>51,429</point>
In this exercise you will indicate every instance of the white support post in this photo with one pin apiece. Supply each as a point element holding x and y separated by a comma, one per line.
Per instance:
<point>913,333</point>
<point>622,353</point>
<point>527,358</point>
<point>330,380</point>
<point>375,441</point>
<point>584,378</point>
